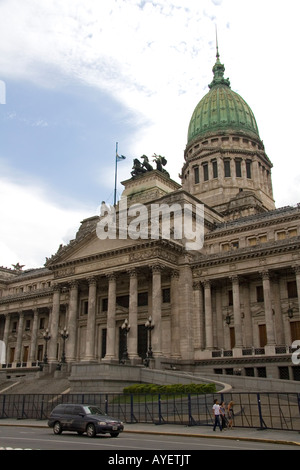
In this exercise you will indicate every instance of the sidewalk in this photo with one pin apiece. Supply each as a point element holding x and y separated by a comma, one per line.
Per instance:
<point>247,434</point>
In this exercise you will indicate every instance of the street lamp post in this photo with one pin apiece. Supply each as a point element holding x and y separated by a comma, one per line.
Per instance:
<point>47,337</point>
<point>149,327</point>
<point>64,334</point>
<point>125,328</point>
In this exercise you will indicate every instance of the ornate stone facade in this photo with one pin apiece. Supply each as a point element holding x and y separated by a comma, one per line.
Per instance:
<point>231,307</point>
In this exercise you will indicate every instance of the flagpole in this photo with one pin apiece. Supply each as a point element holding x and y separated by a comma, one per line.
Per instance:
<point>115,191</point>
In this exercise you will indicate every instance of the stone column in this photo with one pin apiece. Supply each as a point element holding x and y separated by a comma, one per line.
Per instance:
<point>156,311</point>
<point>91,321</point>
<point>132,344</point>
<point>72,323</point>
<point>5,335</point>
<point>19,338</point>
<point>268,309</point>
<point>219,319</point>
<point>53,327</point>
<point>297,273</point>
<point>248,318</point>
<point>208,316</point>
<point>111,319</point>
<point>186,311</point>
<point>237,312</point>
<point>279,325</point>
<point>175,325</point>
<point>196,313</point>
<point>34,333</point>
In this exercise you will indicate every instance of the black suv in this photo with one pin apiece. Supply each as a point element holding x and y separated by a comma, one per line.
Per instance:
<point>83,418</point>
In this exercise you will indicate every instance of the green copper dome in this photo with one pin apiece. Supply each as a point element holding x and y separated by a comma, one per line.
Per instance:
<point>221,109</point>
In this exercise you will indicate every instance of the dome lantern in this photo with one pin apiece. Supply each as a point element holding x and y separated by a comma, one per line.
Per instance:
<point>221,110</point>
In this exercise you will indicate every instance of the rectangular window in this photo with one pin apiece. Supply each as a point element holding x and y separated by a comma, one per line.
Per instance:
<point>196,175</point>
<point>238,168</point>
<point>230,298</point>
<point>205,171</point>
<point>292,289</point>
<point>262,239</point>
<point>248,169</point>
<point>292,233</point>
<point>166,295</point>
<point>252,241</point>
<point>259,294</point>
<point>85,307</point>
<point>215,168</point>
<point>225,247</point>
<point>104,305</point>
<point>281,235</point>
<point>142,299</point>
<point>42,323</point>
<point>227,172</point>
<point>123,301</point>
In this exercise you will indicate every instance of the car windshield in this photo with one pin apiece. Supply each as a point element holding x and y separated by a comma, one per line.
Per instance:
<point>93,410</point>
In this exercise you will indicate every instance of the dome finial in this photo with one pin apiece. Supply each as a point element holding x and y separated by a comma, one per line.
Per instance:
<point>217,45</point>
<point>218,69</point>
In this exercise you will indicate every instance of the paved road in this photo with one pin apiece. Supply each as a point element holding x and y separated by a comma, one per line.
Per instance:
<point>42,438</point>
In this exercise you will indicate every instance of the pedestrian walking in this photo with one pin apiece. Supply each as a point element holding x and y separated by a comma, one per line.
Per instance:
<point>223,415</point>
<point>217,412</point>
<point>230,414</point>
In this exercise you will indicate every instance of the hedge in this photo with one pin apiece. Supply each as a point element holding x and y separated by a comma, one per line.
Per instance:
<point>154,389</point>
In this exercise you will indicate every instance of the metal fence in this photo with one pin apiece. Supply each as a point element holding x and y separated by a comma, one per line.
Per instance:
<point>251,410</point>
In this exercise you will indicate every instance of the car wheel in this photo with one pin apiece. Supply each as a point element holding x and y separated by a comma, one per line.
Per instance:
<point>114,434</point>
<point>90,430</point>
<point>57,428</point>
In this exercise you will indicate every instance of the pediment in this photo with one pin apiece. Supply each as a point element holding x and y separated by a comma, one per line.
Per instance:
<point>90,246</point>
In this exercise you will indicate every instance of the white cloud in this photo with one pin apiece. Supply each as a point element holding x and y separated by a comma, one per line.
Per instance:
<point>32,224</point>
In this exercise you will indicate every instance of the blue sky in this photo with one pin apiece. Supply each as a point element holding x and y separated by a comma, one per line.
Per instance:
<point>82,75</point>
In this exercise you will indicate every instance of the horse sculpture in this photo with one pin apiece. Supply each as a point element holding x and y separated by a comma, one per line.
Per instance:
<point>160,163</point>
<point>141,168</point>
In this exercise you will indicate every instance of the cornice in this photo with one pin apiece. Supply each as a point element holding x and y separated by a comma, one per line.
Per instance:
<point>21,297</point>
<point>267,219</point>
<point>240,254</point>
<point>166,244</point>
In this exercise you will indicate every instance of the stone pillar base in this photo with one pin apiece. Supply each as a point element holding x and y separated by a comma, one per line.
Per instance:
<point>237,352</point>
<point>270,350</point>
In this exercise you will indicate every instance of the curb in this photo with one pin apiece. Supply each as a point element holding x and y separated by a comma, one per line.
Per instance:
<point>170,433</point>
<point>206,436</point>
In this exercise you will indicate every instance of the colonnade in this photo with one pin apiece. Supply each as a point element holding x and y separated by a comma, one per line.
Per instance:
<point>195,324</point>
<point>211,331</point>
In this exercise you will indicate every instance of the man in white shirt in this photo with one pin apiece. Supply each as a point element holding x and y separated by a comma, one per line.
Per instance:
<point>217,412</point>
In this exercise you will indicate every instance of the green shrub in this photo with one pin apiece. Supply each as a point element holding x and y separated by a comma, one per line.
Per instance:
<point>178,389</point>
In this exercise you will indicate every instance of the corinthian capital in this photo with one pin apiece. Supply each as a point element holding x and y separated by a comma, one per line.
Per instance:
<point>265,275</point>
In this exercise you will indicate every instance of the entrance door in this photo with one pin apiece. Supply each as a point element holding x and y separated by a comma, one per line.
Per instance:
<point>262,335</point>
<point>295,330</point>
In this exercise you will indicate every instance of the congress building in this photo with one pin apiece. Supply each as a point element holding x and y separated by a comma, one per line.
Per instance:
<point>227,305</point>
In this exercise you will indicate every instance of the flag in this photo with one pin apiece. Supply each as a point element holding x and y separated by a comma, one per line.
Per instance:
<point>120,158</point>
